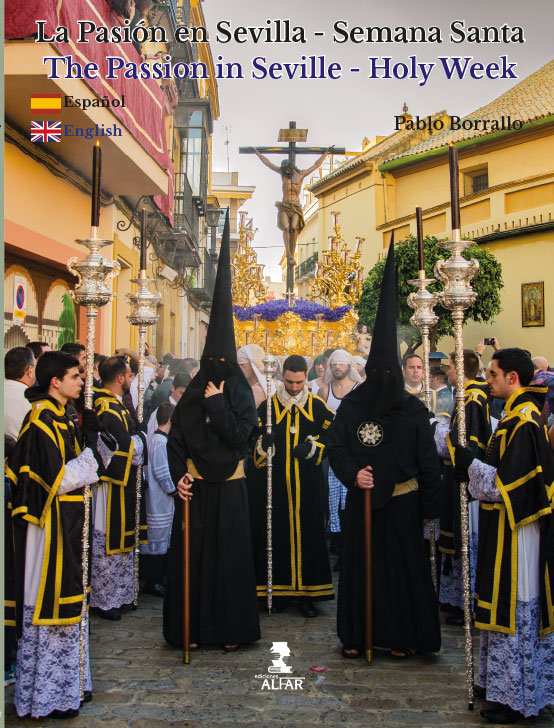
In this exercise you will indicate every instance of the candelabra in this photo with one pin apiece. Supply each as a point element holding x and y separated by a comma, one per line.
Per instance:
<point>144,312</point>
<point>456,273</point>
<point>91,292</point>
<point>247,280</point>
<point>339,275</point>
<point>423,302</point>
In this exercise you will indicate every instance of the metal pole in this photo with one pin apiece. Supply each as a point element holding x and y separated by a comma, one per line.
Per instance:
<point>268,371</point>
<point>427,400</point>
<point>144,313</point>
<point>456,272</point>
<point>423,302</point>
<point>140,410</point>
<point>91,292</point>
<point>92,312</point>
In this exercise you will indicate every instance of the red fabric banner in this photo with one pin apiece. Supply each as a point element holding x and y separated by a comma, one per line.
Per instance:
<point>144,111</point>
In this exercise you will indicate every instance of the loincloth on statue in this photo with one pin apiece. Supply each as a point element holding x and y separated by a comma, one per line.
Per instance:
<point>290,209</point>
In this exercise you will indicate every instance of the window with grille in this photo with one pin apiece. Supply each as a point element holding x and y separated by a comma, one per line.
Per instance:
<point>480,182</point>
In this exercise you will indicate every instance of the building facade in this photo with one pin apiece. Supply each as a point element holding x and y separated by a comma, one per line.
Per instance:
<point>507,201</point>
<point>157,156</point>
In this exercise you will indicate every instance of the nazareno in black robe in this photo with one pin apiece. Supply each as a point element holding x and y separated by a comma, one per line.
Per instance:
<point>405,608</point>
<point>214,433</point>
<point>300,561</point>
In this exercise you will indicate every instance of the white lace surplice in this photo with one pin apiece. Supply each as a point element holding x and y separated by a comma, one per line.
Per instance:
<point>48,656</point>
<point>516,670</point>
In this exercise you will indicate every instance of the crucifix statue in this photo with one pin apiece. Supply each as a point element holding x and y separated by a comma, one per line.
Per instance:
<point>290,218</point>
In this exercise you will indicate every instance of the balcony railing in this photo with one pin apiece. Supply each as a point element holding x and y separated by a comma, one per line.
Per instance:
<point>203,287</point>
<point>307,267</point>
<point>185,216</point>
<point>170,7</point>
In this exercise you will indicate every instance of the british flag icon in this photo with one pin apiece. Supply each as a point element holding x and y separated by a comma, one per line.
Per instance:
<point>46,131</point>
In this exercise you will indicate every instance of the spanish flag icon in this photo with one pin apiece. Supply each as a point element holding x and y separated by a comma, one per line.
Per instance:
<point>46,104</point>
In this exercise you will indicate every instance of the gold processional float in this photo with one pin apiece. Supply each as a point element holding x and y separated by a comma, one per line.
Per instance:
<point>299,326</point>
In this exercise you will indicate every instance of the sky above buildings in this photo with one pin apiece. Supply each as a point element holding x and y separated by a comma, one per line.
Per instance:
<point>345,110</point>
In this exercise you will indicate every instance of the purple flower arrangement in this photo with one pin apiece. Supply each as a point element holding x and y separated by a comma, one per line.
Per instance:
<point>307,310</point>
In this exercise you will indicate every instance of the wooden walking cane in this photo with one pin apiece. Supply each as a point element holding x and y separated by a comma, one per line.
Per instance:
<point>368,589</point>
<point>186,581</point>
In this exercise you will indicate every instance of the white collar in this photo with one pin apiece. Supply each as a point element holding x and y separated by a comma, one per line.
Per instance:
<point>288,400</point>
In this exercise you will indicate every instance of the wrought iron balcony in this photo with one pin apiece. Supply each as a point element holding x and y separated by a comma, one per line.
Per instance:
<point>203,287</point>
<point>169,7</point>
<point>307,267</point>
<point>185,216</point>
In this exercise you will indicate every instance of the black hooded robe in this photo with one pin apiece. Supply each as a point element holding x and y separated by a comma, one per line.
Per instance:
<point>405,609</point>
<point>224,608</point>
<point>209,439</point>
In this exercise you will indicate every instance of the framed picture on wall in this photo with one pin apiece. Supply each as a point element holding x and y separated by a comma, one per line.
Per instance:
<point>532,304</point>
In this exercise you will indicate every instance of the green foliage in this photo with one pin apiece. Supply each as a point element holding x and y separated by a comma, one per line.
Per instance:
<point>487,283</point>
<point>66,322</point>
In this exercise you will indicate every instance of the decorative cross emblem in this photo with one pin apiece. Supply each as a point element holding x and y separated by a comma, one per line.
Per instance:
<point>370,434</point>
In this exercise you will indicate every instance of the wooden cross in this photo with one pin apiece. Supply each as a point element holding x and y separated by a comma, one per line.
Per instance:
<point>291,135</point>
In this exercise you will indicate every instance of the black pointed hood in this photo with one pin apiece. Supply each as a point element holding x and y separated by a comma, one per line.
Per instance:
<point>220,338</point>
<point>384,343</point>
<point>383,387</point>
<point>214,449</point>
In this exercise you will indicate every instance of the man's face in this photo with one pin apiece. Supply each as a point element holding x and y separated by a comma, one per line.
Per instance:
<point>500,384</point>
<point>340,371</point>
<point>413,372</point>
<point>69,387</point>
<point>82,359</point>
<point>45,347</point>
<point>29,376</point>
<point>160,372</point>
<point>294,381</point>
<point>126,380</point>
<point>177,393</point>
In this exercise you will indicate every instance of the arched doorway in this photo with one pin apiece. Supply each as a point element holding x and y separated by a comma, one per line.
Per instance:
<point>15,336</point>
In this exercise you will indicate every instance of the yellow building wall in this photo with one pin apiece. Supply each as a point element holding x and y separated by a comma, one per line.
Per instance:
<point>529,198</point>
<point>30,199</point>
<point>524,259</point>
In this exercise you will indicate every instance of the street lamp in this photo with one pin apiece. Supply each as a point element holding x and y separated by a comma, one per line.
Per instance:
<point>212,220</point>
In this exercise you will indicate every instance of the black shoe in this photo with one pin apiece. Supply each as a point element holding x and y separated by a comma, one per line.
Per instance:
<point>157,590</point>
<point>499,713</point>
<point>87,697</point>
<point>455,620</point>
<point>113,614</point>
<point>61,714</point>
<point>307,609</point>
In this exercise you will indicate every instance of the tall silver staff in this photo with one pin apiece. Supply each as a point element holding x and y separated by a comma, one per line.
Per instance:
<point>423,302</point>
<point>458,295</point>
<point>91,292</point>
<point>269,368</point>
<point>144,312</point>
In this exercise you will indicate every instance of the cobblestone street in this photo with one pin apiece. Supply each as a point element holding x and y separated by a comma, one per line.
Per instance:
<point>139,681</point>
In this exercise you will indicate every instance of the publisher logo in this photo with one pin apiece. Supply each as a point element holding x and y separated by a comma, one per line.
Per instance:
<point>274,679</point>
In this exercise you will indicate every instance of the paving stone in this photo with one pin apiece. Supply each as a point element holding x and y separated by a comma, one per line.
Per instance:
<point>140,682</point>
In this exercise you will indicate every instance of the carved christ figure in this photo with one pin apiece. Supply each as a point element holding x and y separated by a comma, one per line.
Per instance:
<point>289,217</point>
